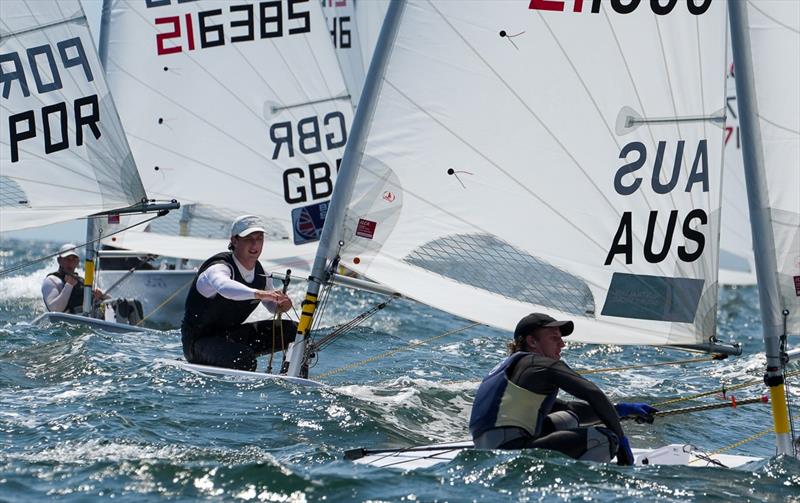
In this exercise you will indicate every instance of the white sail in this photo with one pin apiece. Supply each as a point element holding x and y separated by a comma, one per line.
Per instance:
<point>354,27</point>
<point>509,165</point>
<point>736,261</point>
<point>63,153</point>
<point>774,27</point>
<point>237,106</point>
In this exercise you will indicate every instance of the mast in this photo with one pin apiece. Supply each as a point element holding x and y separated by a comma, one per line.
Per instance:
<point>334,220</point>
<point>761,227</point>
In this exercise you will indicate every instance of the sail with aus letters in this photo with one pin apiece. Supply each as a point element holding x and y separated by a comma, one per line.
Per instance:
<point>506,166</point>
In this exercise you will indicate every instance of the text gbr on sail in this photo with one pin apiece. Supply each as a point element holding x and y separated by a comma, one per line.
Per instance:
<point>44,69</point>
<point>310,139</point>
<point>627,186</point>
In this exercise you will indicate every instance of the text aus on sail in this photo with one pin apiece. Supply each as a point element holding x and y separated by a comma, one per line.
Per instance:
<point>667,176</point>
<point>40,70</point>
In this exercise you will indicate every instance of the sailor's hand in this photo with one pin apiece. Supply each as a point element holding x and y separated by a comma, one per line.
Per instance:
<point>99,295</point>
<point>624,452</point>
<point>70,279</point>
<point>641,411</point>
<point>284,302</point>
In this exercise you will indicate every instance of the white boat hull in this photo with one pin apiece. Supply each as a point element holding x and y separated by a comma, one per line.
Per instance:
<point>161,292</point>
<point>430,455</point>
<point>77,319</point>
<point>208,370</point>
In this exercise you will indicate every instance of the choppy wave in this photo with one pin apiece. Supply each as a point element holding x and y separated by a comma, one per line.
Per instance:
<point>87,415</point>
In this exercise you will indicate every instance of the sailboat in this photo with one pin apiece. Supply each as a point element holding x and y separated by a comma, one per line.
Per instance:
<point>64,153</point>
<point>232,109</point>
<point>499,165</point>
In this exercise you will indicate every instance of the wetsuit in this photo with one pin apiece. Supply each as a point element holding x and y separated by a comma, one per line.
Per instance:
<point>213,329</point>
<point>54,301</point>
<point>517,407</point>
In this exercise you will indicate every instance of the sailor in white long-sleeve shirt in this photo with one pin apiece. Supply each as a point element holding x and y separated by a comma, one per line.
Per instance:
<point>228,287</point>
<point>62,290</point>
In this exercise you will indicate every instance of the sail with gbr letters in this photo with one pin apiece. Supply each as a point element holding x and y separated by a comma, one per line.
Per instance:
<point>233,107</point>
<point>503,165</point>
<point>63,153</point>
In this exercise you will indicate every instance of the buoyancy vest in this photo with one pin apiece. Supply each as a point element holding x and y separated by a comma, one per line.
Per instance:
<point>75,302</point>
<point>209,316</point>
<point>500,403</point>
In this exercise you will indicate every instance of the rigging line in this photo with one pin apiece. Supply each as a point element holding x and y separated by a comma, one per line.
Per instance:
<point>42,259</point>
<point>395,351</point>
<point>349,325</point>
<point>724,389</point>
<point>165,302</point>
<point>647,365</point>
<point>249,109</point>
<point>775,124</point>
<point>774,20</point>
<point>739,443</point>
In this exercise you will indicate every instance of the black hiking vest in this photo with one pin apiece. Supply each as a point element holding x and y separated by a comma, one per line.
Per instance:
<point>75,302</point>
<point>204,316</point>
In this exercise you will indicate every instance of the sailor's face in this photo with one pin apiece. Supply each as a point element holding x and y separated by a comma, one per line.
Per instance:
<point>68,264</point>
<point>547,342</point>
<point>249,247</point>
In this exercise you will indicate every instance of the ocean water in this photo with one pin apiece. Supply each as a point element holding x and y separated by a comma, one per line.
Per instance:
<point>86,415</point>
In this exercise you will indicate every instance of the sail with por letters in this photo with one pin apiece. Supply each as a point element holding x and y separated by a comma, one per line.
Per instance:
<point>775,44</point>
<point>63,153</point>
<point>236,106</point>
<point>555,156</point>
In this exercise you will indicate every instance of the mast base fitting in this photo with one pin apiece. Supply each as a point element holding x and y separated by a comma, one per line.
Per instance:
<point>773,380</point>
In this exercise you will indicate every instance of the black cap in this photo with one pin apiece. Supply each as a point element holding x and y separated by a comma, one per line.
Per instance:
<point>528,324</point>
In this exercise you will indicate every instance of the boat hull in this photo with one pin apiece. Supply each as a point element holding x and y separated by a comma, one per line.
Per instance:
<point>430,455</point>
<point>161,292</point>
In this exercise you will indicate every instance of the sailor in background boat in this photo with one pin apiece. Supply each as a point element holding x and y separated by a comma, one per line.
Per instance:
<point>227,289</point>
<point>62,290</point>
<point>516,405</point>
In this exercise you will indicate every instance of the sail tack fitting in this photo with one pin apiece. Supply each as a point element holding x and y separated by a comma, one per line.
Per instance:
<point>628,120</point>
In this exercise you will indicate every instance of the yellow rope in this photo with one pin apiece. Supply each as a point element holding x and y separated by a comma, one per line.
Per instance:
<point>154,311</point>
<point>392,352</point>
<point>647,365</point>
<point>736,444</point>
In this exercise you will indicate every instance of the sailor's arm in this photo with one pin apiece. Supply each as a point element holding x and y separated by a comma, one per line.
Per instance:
<point>218,279</point>
<point>55,297</point>
<point>583,389</point>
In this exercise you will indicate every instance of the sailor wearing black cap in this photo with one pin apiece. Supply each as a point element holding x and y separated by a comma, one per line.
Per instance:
<point>228,288</point>
<point>516,405</point>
